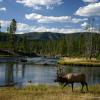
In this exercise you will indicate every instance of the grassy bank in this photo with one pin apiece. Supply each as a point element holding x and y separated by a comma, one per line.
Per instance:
<point>79,61</point>
<point>42,92</point>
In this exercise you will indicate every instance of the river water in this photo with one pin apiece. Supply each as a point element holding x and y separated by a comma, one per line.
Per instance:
<point>20,74</point>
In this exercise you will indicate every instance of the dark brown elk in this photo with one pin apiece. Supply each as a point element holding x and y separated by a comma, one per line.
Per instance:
<point>72,78</point>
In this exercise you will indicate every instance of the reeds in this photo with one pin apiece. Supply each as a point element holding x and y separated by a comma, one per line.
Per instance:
<point>79,62</point>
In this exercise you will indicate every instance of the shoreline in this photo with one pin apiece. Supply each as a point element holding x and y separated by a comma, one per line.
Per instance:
<point>25,60</point>
<point>79,62</point>
<point>61,61</point>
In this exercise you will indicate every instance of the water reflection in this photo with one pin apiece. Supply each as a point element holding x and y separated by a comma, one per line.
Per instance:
<point>11,74</point>
<point>20,73</point>
<point>23,70</point>
<point>9,79</point>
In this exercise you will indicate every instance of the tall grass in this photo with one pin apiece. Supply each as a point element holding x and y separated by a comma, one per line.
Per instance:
<point>79,61</point>
<point>43,92</point>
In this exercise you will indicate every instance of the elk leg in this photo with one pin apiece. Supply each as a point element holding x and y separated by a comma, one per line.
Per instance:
<point>82,86</point>
<point>72,86</point>
<point>86,86</point>
<point>64,85</point>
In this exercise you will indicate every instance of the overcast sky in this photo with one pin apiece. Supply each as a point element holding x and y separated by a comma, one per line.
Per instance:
<point>63,16</point>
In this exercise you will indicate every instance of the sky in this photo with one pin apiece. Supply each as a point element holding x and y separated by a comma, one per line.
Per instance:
<point>61,16</point>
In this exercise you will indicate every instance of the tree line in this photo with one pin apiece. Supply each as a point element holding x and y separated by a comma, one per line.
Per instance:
<point>73,45</point>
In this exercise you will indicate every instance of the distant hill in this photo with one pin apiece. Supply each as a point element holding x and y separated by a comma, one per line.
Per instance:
<point>42,35</point>
<point>51,36</point>
<point>34,36</point>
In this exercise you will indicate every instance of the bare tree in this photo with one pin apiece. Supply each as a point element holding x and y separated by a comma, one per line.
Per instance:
<point>89,37</point>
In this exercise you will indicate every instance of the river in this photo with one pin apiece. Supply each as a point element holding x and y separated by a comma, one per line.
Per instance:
<point>20,74</point>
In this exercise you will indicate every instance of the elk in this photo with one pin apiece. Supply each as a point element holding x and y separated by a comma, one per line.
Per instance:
<point>72,78</point>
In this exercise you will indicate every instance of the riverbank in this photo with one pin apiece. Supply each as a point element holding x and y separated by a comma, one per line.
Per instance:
<point>43,92</point>
<point>79,61</point>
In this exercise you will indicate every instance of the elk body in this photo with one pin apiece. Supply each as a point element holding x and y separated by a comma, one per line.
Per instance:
<point>72,78</point>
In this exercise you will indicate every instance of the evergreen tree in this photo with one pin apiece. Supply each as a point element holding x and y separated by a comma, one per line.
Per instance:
<point>8,30</point>
<point>0,27</point>
<point>12,29</point>
<point>13,26</point>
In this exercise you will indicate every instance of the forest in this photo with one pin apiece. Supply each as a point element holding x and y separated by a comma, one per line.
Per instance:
<point>83,44</point>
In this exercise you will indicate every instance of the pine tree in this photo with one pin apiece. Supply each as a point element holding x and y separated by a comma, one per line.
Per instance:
<point>0,27</point>
<point>12,29</point>
<point>8,30</point>
<point>13,26</point>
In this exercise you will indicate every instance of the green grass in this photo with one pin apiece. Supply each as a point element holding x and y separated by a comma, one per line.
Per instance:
<point>43,92</point>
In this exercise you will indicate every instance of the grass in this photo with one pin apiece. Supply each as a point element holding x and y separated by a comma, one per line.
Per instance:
<point>79,61</point>
<point>43,92</point>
